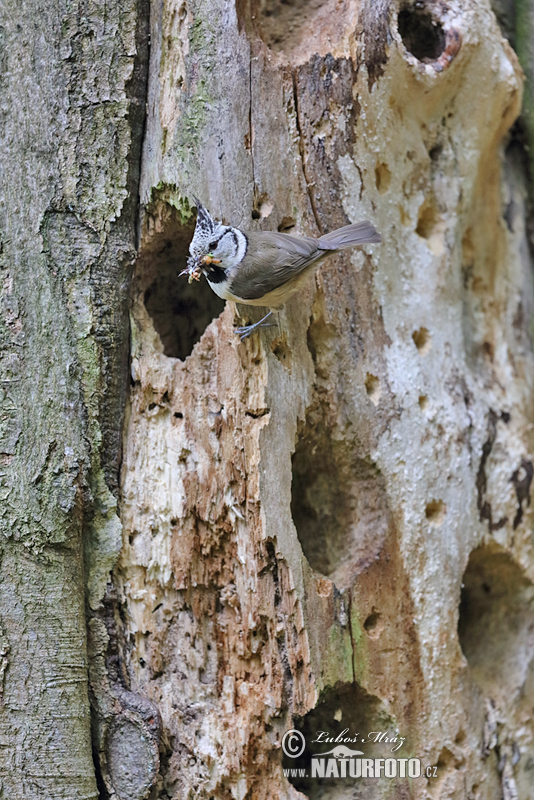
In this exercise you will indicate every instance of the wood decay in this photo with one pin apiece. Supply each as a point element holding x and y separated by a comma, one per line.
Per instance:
<point>331,524</point>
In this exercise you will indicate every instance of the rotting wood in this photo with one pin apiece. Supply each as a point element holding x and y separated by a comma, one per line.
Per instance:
<point>300,510</point>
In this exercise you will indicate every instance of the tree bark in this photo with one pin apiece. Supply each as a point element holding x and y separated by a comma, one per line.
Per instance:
<point>328,526</point>
<point>71,80</point>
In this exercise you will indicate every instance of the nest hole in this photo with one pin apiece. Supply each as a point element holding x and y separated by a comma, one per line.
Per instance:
<point>180,311</point>
<point>496,624</point>
<point>348,712</point>
<point>339,504</point>
<point>422,35</point>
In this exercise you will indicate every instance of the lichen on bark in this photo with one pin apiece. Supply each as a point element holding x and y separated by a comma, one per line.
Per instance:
<point>71,83</point>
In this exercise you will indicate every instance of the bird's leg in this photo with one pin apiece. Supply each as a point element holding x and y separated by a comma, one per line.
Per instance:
<point>246,330</point>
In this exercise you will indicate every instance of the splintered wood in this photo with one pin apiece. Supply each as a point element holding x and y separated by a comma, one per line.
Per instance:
<point>310,517</point>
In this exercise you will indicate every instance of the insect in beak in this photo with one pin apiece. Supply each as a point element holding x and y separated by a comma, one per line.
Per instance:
<point>193,273</point>
<point>194,267</point>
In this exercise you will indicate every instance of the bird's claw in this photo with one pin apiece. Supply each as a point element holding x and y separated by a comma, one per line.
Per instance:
<point>246,330</point>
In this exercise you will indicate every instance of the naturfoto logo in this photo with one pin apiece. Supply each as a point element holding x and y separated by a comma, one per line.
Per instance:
<point>343,761</point>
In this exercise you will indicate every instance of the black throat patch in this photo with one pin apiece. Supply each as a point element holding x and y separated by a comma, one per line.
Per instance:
<point>214,273</point>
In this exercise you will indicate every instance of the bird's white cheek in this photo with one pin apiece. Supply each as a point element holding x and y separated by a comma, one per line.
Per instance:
<point>221,289</point>
<point>230,261</point>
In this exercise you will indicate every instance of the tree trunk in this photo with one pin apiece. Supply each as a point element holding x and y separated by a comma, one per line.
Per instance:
<point>71,81</point>
<point>326,527</point>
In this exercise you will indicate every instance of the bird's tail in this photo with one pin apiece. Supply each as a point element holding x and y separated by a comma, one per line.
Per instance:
<point>349,236</point>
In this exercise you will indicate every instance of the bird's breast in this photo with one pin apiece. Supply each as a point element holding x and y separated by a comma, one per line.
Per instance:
<point>222,289</point>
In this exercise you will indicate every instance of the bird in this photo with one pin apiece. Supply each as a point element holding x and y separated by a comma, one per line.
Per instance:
<point>262,268</point>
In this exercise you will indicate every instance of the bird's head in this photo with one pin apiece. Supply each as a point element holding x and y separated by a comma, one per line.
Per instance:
<point>214,246</point>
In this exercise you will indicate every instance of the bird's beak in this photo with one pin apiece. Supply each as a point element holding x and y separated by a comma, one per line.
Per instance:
<point>193,269</point>
<point>195,266</point>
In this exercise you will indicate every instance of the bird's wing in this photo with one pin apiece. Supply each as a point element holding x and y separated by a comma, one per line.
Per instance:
<point>271,260</point>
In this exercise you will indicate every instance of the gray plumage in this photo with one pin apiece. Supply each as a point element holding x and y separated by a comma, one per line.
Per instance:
<point>274,259</point>
<point>263,268</point>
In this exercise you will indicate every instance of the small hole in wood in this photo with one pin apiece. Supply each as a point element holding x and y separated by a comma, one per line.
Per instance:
<point>286,224</point>
<point>374,625</point>
<point>263,207</point>
<point>422,340</point>
<point>372,387</point>
<point>282,351</point>
<point>421,34</point>
<point>435,152</point>
<point>435,512</point>
<point>460,737</point>
<point>382,178</point>
<point>428,219</point>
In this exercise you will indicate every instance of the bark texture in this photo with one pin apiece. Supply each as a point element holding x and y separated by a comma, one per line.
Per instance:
<point>71,79</point>
<point>329,526</point>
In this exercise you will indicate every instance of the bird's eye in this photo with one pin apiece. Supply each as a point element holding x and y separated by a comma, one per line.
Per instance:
<point>213,245</point>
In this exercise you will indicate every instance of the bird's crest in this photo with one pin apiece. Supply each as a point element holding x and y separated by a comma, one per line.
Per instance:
<point>203,230</point>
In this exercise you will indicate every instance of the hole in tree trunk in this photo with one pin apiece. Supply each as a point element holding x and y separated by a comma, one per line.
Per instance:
<point>338,504</point>
<point>180,311</point>
<point>348,713</point>
<point>496,627</point>
<point>422,35</point>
